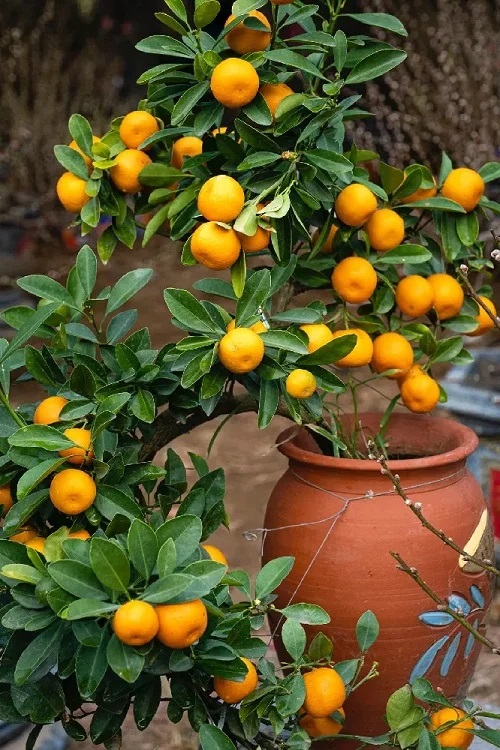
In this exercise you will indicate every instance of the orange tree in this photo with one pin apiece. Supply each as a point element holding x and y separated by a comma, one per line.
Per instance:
<point>238,150</point>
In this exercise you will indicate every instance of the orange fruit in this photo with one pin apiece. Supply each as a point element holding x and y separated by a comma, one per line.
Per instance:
<point>327,246</point>
<point>135,623</point>
<point>233,692</point>
<point>214,246</point>
<point>324,727</point>
<point>6,499</point>
<point>391,351</point>
<point>48,411</point>
<point>219,131</point>
<point>354,279</point>
<point>23,536</point>
<point>325,692</point>
<point>255,242</point>
<point>421,194</point>
<point>125,174</point>
<point>136,127</point>
<point>83,535</point>
<point>71,192</point>
<point>82,452</point>
<point>457,736</point>
<point>484,322</point>
<point>72,491</point>
<point>414,296</point>
<point>465,187</point>
<point>215,554</point>
<point>181,624</point>
<point>355,204</point>
<point>234,82</point>
<point>88,161</point>
<point>363,350</point>
<point>385,229</point>
<point>300,384</point>
<point>419,392</point>
<point>448,295</point>
<point>258,327</point>
<point>273,94</point>
<point>241,350</point>
<point>221,198</point>
<point>37,543</point>
<point>244,40</point>
<point>318,334</point>
<point>185,147</point>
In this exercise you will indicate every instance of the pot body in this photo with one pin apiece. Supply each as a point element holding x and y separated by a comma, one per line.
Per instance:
<point>343,563</point>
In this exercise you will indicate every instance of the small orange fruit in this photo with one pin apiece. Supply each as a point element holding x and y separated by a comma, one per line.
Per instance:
<point>185,147</point>
<point>258,327</point>
<point>414,296</point>
<point>74,145</point>
<point>233,692</point>
<point>181,625</point>
<point>6,499</point>
<point>419,392</point>
<point>221,198</point>
<point>421,194</point>
<point>83,535</point>
<point>484,322</point>
<point>136,127</point>
<point>301,384</point>
<point>318,335</point>
<point>71,192</point>
<point>457,736</point>
<point>48,411</point>
<point>135,623</point>
<point>325,692</point>
<point>214,246</point>
<point>125,173</point>
<point>215,554</point>
<point>355,204</point>
<point>363,350</point>
<point>354,279</point>
<point>465,187</point>
<point>325,727</point>
<point>391,351</point>
<point>448,295</point>
<point>82,452</point>
<point>234,82</point>
<point>273,94</point>
<point>385,229</point>
<point>72,491</point>
<point>327,246</point>
<point>37,543</point>
<point>255,242</point>
<point>243,40</point>
<point>241,350</point>
<point>23,536</point>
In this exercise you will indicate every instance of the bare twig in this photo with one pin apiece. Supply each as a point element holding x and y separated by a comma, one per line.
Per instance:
<point>477,298</point>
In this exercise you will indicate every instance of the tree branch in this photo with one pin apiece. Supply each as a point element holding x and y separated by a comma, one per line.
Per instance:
<point>477,298</point>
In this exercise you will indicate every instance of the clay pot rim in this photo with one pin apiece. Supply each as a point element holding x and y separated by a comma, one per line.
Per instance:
<point>466,439</point>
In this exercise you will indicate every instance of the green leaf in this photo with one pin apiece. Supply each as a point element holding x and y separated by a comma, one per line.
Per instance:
<point>218,287</point>
<point>269,396</point>
<point>166,589</point>
<point>428,741</point>
<point>167,20</point>
<point>367,631</point>
<point>375,65</point>
<point>23,509</point>
<point>42,366</point>
<point>126,287</point>
<point>77,578</point>
<point>272,575</point>
<point>86,270</point>
<point>155,224</point>
<point>24,573</point>
<point>111,500</point>
<point>212,738</point>
<point>31,326</point>
<point>331,352</point>
<point>81,132</point>
<point>307,614</point>
<point>89,608</point>
<point>238,275</point>
<point>299,315</point>
<point>381,20</point>
<point>185,105</point>
<point>404,254</point>
<point>399,705</point>
<point>143,548</point>
<point>42,701</point>
<point>91,666</point>
<point>189,311</point>
<point>340,50</point>
<point>258,159</point>
<point>32,478</point>
<point>490,171</point>
<point>255,294</point>
<point>284,340</point>
<point>186,532</point>
<point>40,656</point>
<point>294,60</point>
<point>447,350</point>
<point>294,639</point>
<point>437,204</point>
<point>205,13</point>
<point>391,177</point>
<point>178,8</point>
<point>72,161</point>
<point>110,564</point>
<point>255,138</point>
<point>467,227</point>
<point>329,161</point>
<point>167,558</point>
<point>47,288</point>
<point>147,702</point>
<point>40,436</point>
<point>124,660</point>
<point>159,175</point>
<point>143,406</point>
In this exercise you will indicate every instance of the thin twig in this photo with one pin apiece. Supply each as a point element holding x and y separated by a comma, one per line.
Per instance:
<point>478,299</point>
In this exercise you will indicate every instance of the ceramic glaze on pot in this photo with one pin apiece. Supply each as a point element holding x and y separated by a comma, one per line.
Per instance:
<point>354,572</point>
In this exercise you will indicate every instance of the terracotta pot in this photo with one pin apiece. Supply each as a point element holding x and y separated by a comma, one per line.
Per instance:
<point>346,567</point>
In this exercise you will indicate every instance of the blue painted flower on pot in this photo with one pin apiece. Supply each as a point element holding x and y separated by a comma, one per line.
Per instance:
<point>457,641</point>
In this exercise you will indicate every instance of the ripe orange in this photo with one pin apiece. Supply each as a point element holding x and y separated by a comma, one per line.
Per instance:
<point>318,334</point>
<point>421,194</point>
<point>258,327</point>
<point>214,246</point>
<point>241,350</point>
<point>6,499</point>
<point>255,242</point>
<point>325,692</point>
<point>391,351</point>
<point>327,246</point>
<point>125,173</point>
<point>484,322</point>
<point>385,229</point>
<point>48,411</point>
<point>321,727</point>
<point>23,536</point>
<point>72,491</point>
<point>234,83</point>
<point>465,187</point>
<point>83,535</point>
<point>82,452</point>
<point>185,147</point>
<point>37,543</point>
<point>419,392</point>
<point>354,279</point>
<point>273,94</point>
<point>233,692</point>
<point>215,554</point>
<point>448,295</point>
<point>457,736</point>
<point>355,204</point>
<point>71,192</point>
<point>181,624</point>
<point>300,384</point>
<point>363,350</point>
<point>76,147</point>
<point>221,198</point>
<point>244,40</point>
<point>135,623</point>
<point>136,127</point>
<point>414,296</point>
